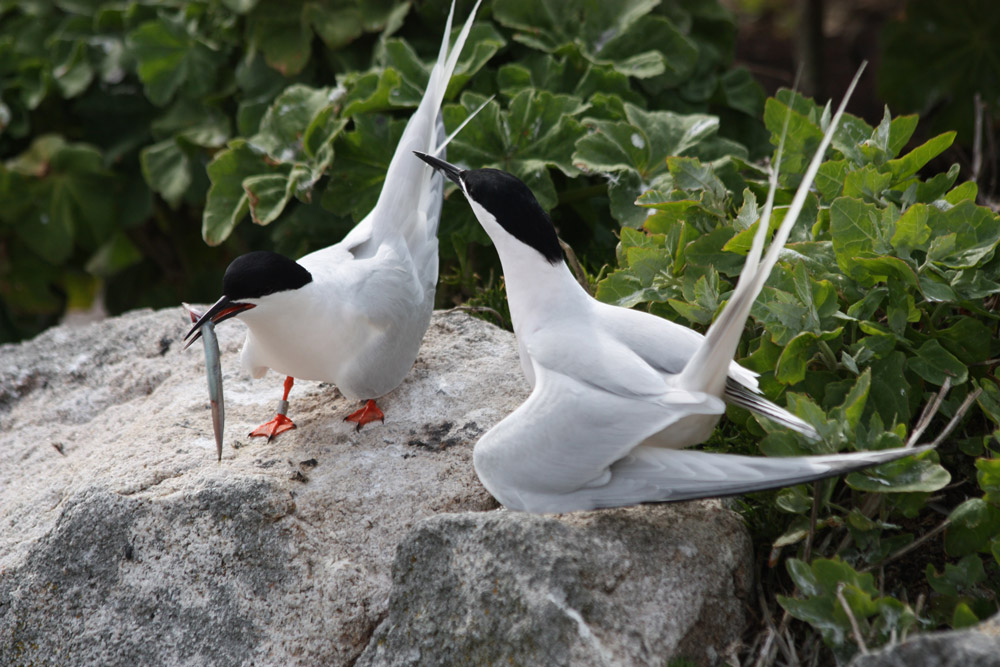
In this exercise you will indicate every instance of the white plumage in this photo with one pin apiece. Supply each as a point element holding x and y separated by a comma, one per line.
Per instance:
<point>356,319</point>
<point>617,392</point>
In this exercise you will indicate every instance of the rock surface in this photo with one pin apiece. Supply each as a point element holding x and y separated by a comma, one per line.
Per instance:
<point>974,647</point>
<point>634,586</point>
<point>123,541</point>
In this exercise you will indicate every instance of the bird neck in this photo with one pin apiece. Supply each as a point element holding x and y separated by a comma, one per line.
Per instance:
<point>537,289</point>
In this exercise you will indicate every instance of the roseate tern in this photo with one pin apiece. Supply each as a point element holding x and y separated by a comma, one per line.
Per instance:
<point>617,392</point>
<point>354,313</point>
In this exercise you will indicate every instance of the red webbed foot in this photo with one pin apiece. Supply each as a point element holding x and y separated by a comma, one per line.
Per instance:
<point>276,426</point>
<point>365,415</point>
<point>280,423</point>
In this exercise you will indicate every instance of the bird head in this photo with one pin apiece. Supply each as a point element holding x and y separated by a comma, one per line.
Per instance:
<point>501,201</point>
<point>249,278</point>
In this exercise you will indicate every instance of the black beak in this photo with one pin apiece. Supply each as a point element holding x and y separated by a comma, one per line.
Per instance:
<point>223,309</point>
<point>446,168</point>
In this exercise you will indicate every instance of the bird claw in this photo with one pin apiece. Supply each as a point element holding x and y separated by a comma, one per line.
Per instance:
<point>276,426</point>
<point>365,415</point>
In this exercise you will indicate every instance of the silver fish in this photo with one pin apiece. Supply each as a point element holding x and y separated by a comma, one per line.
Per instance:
<point>213,369</point>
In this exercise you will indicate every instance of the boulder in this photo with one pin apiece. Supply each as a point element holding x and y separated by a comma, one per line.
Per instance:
<point>123,541</point>
<point>634,586</point>
<point>978,646</point>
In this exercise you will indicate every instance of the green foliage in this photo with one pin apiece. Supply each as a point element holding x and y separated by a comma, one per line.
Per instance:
<point>127,128</point>
<point>864,320</point>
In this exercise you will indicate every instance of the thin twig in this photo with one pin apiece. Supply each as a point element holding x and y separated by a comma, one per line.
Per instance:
<point>928,414</point>
<point>966,404</point>
<point>574,263</point>
<point>850,616</point>
<point>773,634</point>
<point>807,549</point>
<point>978,108</point>
<point>899,553</point>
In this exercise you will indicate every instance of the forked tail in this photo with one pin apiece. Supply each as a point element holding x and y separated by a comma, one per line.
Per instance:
<point>409,181</point>
<point>707,369</point>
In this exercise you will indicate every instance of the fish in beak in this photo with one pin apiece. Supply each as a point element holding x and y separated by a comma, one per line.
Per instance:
<point>222,310</point>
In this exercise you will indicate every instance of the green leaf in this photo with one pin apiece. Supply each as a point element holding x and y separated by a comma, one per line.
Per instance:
<point>794,499</point>
<point>267,195</point>
<point>886,396</point>
<point>907,475</point>
<point>934,364</point>
<point>911,163</point>
<point>965,236</point>
<point>798,353</point>
<point>636,151</point>
<point>988,476</point>
<point>619,34</point>
<point>167,170</point>
<point>74,74</point>
<point>973,524</point>
<point>363,157</point>
<point>858,230</point>
<point>281,31</point>
<point>968,339</point>
<point>963,617</point>
<point>539,131</point>
<point>169,58</point>
<point>912,231</point>
<point>959,578</point>
<point>227,201</point>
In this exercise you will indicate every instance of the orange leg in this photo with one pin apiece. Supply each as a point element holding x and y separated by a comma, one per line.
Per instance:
<point>365,415</point>
<point>280,423</point>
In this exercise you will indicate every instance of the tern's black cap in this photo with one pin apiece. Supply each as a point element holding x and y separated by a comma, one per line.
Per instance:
<point>514,206</point>
<point>262,272</point>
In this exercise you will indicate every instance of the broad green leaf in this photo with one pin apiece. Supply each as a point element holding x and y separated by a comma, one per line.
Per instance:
<point>538,131</point>
<point>965,235</point>
<point>283,34</point>
<point>797,531</point>
<point>167,170</point>
<point>911,163</point>
<point>912,231</point>
<point>959,578</point>
<point>74,74</point>
<point>963,617</point>
<point>797,354</point>
<point>635,152</point>
<point>831,177</point>
<point>936,186</point>
<point>887,396</point>
<point>794,499</point>
<point>988,476</point>
<point>267,195</point>
<point>227,201</point>
<point>906,475</point>
<point>858,229</point>
<point>284,125</point>
<point>617,34</point>
<point>192,123</point>
<point>935,364</point>
<point>974,524</point>
<point>968,339</point>
<point>866,184</point>
<point>853,406</point>
<point>363,157</point>
<point>900,131</point>
<point>169,58</point>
